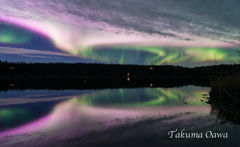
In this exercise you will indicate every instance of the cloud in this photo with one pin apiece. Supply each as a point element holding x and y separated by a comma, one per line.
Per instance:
<point>38,56</point>
<point>31,52</point>
<point>213,19</point>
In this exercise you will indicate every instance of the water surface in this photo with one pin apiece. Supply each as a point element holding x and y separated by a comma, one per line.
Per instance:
<point>110,117</point>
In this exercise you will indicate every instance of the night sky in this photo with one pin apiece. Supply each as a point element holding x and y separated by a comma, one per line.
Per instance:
<point>159,32</point>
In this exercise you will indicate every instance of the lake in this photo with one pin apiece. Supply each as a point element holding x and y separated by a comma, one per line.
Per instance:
<point>144,116</point>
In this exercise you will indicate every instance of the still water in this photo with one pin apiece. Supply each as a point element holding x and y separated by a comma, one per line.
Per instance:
<point>113,117</point>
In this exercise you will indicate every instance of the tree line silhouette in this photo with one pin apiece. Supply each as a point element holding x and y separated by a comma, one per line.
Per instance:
<point>21,69</point>
<point>97,83</point>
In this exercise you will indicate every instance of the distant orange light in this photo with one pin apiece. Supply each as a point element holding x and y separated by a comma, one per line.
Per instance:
<point>85,80</point>
<point>11,67</point>
<point>151,68</point>
<point>12,85</point>
<point>128,74</point>
<point>128,79</point>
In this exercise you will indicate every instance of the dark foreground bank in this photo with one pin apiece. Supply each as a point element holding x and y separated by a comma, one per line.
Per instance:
<point>225,96</point>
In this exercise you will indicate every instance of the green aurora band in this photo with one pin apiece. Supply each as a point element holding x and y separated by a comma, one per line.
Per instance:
<point>159,55</point>
<point>14,35</point>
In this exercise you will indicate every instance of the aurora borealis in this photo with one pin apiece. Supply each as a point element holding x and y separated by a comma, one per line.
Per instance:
<point>187,33</point>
